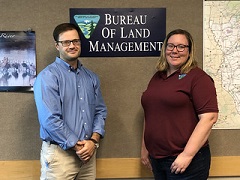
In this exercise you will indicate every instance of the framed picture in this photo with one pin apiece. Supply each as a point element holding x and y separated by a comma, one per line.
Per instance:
<point>17,60</point>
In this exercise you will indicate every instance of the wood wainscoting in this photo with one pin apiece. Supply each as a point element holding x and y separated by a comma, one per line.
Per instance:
<point>114,168</point>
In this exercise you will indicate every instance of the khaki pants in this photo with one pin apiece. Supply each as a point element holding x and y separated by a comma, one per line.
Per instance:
<point>57,164</point>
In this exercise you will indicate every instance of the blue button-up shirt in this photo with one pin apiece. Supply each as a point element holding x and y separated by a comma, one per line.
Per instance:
<point>69,103</point>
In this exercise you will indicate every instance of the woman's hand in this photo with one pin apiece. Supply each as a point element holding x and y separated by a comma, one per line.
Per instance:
<point>181,163</point>
<point>145,158</point>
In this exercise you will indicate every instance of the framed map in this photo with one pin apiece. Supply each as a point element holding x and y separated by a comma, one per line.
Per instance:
<point>221,32</point>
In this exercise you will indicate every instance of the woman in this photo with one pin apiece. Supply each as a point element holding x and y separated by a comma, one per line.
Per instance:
<point>180,108</point>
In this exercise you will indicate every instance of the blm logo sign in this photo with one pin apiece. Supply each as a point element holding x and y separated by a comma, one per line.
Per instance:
<point>120,32</point>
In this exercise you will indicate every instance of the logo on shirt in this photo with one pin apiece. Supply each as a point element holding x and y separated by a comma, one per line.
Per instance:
<point>87,24</point>
<point>180,76</point>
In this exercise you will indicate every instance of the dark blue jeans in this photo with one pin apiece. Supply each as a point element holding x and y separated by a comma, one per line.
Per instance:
<point>198,169</point>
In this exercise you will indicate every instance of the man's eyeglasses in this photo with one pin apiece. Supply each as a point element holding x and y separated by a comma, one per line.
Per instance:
<point>180,47</point>
<point>66,43</point>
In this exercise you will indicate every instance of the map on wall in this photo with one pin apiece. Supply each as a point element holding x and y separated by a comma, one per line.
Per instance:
<point>221,32</point>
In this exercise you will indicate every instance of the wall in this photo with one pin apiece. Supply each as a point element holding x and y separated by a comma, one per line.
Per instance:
<point>123,79</point>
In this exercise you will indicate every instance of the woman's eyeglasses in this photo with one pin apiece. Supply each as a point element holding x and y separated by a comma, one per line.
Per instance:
<point>180,47</point>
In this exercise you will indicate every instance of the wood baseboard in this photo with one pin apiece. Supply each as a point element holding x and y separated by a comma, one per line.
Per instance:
<point>132,168</point>
<point>115,168</point>
<point>225,166</point>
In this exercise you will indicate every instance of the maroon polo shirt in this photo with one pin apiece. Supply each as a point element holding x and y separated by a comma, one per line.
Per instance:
<point>171,107</point>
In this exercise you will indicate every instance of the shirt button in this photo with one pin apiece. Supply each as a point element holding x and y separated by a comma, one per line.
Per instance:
<point>81,98</point>
<point>83,111</point>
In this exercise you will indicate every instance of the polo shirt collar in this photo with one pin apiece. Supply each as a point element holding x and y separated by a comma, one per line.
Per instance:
<point>163,74</point>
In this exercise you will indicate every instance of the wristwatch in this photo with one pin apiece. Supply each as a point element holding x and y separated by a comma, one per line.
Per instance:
<point>95,143</point>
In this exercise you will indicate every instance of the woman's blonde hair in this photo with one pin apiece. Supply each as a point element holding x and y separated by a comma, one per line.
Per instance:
<point>162,64</point>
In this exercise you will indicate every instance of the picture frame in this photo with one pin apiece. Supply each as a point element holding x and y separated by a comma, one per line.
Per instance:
<point>17,61</point>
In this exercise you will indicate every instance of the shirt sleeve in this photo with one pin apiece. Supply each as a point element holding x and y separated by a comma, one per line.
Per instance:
<point>47,98</point>
<point>204,94</point>
<point>100,110</point>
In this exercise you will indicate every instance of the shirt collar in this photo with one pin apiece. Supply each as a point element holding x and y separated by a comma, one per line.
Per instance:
<point>163,74</point>
<point>66,66</point>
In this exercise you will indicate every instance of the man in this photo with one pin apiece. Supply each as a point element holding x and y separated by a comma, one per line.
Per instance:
<point>71,111</point>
